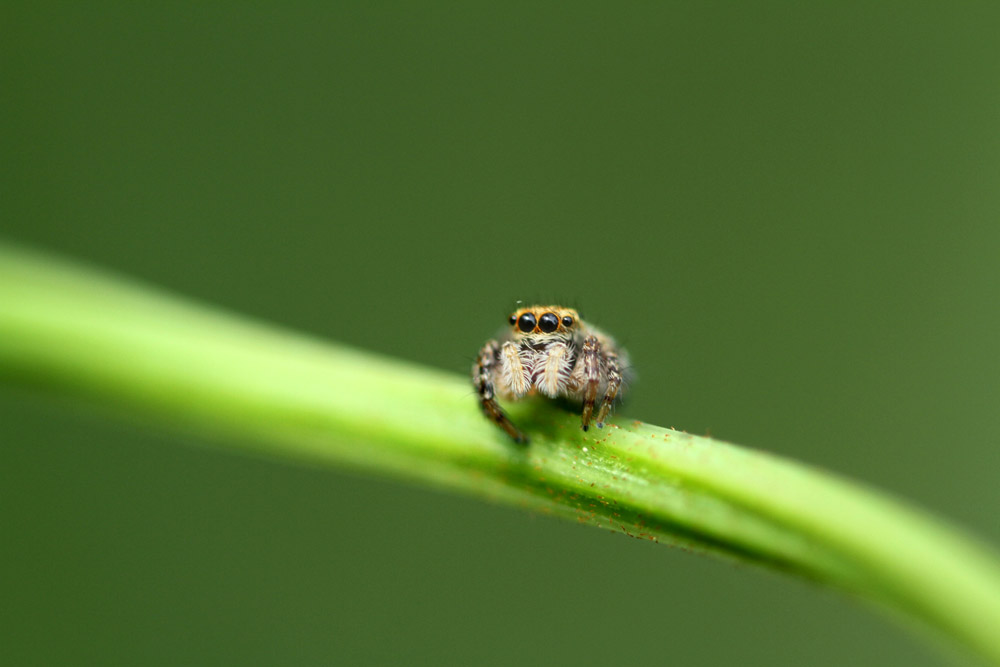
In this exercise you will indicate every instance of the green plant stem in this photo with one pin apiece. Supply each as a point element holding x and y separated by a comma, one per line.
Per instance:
<point>252,386</point>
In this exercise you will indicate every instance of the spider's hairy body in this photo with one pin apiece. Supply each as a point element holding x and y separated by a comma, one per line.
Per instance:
<point>549,350</point>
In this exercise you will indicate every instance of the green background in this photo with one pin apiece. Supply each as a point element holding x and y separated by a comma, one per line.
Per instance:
<point>787,211</point>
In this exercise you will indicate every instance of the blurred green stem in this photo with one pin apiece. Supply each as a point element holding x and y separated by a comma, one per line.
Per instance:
<point>253,386</point>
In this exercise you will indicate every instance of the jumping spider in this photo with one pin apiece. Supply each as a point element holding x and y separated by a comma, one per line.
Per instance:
<point>549,350</point>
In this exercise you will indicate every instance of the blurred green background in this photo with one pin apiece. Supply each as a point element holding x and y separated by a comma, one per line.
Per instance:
<point>787,211</point>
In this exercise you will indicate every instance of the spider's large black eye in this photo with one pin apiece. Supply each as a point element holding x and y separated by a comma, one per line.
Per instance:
<point>548,322</point>
<point>513,320</point>
<point>526,322</point>
<point>567,321</point>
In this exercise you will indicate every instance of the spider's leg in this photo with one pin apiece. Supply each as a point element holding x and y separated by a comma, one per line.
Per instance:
<point>614,383</point>
<point>482,379</point>
<point>591,377</point>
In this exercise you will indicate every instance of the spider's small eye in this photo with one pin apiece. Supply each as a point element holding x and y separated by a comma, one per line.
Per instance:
<point>567,321</point>
<point>526,322</point>
<point>513,320</point>
<point>548,322</point>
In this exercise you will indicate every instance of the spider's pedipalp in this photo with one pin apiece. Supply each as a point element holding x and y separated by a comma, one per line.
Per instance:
<point>512,372</point>
<point>555,371</point>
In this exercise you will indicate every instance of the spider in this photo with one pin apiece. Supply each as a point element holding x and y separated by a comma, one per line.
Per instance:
<point>549,350</point>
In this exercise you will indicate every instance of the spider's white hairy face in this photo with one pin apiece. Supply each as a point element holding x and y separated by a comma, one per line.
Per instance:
<point>538,352</point>
<point>549,350</point>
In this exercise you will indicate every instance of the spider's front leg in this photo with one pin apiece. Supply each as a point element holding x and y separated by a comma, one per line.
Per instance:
<point>482,379</point>
<point>590,356</point>
<point>614,383</point>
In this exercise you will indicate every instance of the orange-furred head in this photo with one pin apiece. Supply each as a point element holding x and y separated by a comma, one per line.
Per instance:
<point>544,320</point>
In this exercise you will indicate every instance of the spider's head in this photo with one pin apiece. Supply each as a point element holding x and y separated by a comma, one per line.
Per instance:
<point>544,321</point>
